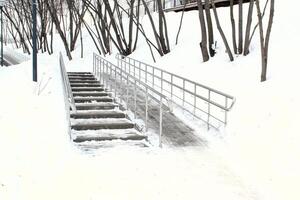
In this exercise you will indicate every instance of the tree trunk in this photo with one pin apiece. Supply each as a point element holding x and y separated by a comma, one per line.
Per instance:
<point>203,43</point>
<point>221,31</point>
<point>248,28</point>
<point>233,27</point>
<point>209,28</point>
<point>240,48</point>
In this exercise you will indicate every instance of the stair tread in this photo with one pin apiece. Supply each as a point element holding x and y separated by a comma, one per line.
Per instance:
<point>100,121</point>
<point>97,124</point>
<point>83,81</point>
<point>108,134</point>
<point>96,104</point>
<point>89,88</point>
<point>79,99</point>
<point>92,94</point>
<point>87,98</point>
<point>86,114</point>
<point>86,85</point>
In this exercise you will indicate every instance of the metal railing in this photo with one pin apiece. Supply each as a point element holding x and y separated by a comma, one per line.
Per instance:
<point>202,102</point>
<point>166,4</point>
<point>69,100</point>
<point>126,87</point>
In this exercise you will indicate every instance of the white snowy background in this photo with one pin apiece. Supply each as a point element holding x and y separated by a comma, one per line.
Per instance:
<point>255,157</point>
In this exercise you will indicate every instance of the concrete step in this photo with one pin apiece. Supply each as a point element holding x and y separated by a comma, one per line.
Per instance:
<point>82,79</point>
<point>97,124</point>
<point>94,146</point>
<point>89,114</point>
<point>96,106</point>
<point>86,85</point>
<point>104,135</point>
<point>91,94</point>
<point>84,82</point>
<point>83,89</point>
<point>93,99</point>
<point>79,73</point>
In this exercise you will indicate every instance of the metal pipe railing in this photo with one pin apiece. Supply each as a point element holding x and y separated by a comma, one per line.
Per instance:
<point>69,99</point>
<point>123,83</point>
<point>189,95</point>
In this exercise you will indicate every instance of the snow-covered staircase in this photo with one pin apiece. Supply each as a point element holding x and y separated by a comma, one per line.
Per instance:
<point>98,118</point>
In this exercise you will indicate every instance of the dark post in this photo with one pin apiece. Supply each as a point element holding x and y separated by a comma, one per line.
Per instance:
<point>1,36</point>
<point>34,47</point>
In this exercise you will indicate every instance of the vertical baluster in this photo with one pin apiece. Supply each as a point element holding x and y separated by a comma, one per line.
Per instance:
<point>140,73</point>
<point>127,91</point>
<point>146,117</point>
<point>226,104</point>
<point>208,110</point>
<point>146,74</point>
<point>161,82</point>
<point>153,79</point>
<point>116,82</point>
<point>160,121</point>
<point>94,63</point>
<point>172,87</point>
<point>183,95</point>
<point>135,99</point>
<point>195,98</point>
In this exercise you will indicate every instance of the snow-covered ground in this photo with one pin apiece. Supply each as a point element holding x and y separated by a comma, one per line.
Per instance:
<point>255,157</point>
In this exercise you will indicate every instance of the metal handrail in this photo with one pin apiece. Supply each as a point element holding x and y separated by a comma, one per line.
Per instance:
<point>67,88</point>
<point>117,79</point>
<point>156,77</point>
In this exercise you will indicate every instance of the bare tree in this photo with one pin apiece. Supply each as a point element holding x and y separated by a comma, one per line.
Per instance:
<point>240,47</point>
<point>221,31</point>
<point>209,28</point>
<point>52,8</point>
<point>203,43</point>
<point>161,36</point>
<point>180,24</point>
<point>233,27</point>
<point>264,40</point>
<point>248,28</point>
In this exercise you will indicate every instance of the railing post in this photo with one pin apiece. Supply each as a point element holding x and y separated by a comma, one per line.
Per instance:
<point>110,76</point>
<point>195,98</point>
<point>172,87</point>
<point>161,82</point>
<point>135,99</point>
<point>146,117</point>
<point>183,93</point>
<point>116,84</point>
<point>98,71</point>
<point>94,63</point>
<point>160,122</point>
<point>226,104</point>
<point>208,110</point>
<point>140,73</point>
<point>127,91</point>
<point>146,74</point>
<point>153,77</point>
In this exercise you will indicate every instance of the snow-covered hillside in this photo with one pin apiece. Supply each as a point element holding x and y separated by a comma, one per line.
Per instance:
<point>255,157</point>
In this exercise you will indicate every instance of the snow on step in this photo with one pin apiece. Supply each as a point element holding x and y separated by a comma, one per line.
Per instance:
<point>96,124</point>
<point>92,146</point>
<point>92,94</point>
<point>95,106</point>
<point>83,81</point>
<point>97,114</point>
<point>86,85</point>
<point>102,135</point>
<point>100,89</point>
<point>93,99</point>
